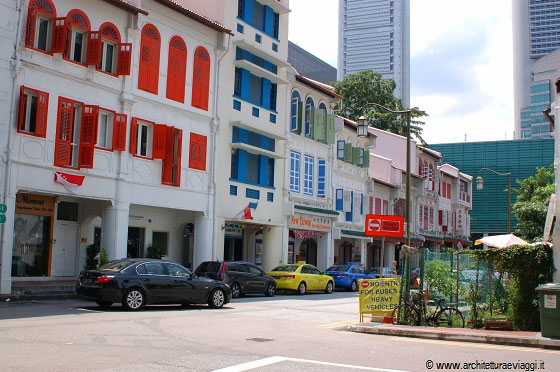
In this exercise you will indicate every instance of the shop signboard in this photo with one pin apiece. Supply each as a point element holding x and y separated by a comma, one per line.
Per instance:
<point>378,296</point>
<point>307,222</point>
<point>384,225</point>
<point>3,210</point>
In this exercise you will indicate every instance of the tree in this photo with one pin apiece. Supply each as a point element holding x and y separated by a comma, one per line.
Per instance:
<point>357,90</point>
<point>531,206</point>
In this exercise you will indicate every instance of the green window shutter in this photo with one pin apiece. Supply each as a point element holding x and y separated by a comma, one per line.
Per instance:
<point>319,125</point>
<point>330,129</point>
<point>312,119</point>
<point>366,158</point>
<point>299,117</point>
<point>348,152</point>
<point>355,155</point>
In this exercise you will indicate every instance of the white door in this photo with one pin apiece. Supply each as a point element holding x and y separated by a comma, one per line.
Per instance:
<point>64,250</point>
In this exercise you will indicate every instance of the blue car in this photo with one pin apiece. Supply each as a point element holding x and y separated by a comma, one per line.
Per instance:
<point>347,276</point>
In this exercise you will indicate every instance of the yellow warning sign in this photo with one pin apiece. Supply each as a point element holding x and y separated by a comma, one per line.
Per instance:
<point>379,295</point>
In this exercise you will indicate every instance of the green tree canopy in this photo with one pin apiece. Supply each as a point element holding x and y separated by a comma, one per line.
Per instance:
<point>531,206</point>
<point>357,90</point>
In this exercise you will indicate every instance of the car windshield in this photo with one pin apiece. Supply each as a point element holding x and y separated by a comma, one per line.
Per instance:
<point>285,268</point>
<point>116,265</point>
<point>338,268</point>
<point>208,267</point>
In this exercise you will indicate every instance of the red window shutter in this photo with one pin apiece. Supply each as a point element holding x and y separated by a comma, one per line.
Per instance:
<point>179,156</point>
<point>385,206</point>
<point>42,113</point>
<point>88,135</point>
<point>63,144</point>
<point>167,165</point>
<point>420,214</point>
<point>149,59</point>
<point>440,217</point>
<point>176,70</point>
<point>377,206</point>
<point>371,204</point>
<point>60,34</point>
<point>201,79</point>
<point>119,132</point>
<point>158,144</point>
<point>444,189</point>
<point>124,59</point>
<point>21,112</point>
<point>448,191</point>
<point>93,56</point>
<point>197,149</point>
<point>30,30</point>
<point>133,135</point>
<point>426,217</point>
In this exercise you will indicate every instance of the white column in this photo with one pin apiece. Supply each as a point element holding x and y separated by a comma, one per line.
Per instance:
<point>272,247</point>
<point>363,245</point>
<point>203,250</point>
<point>114,230</point>
<point>323,252</point>
<point>6,245</point>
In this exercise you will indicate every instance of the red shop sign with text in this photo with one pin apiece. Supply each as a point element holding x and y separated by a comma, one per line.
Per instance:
<point>384,225</point>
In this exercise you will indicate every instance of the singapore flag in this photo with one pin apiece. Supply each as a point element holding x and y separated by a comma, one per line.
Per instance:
<point>71,181</point>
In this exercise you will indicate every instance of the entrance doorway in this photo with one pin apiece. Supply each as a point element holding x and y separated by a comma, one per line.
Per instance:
<point>186,248</point>
<point>30,252</point>
<point>233,248</point>
<point>64,250</point>
<point>308,251</point>
<point>135,243</point>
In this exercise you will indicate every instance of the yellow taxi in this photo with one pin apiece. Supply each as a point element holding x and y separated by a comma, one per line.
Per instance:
<point>301,277</point>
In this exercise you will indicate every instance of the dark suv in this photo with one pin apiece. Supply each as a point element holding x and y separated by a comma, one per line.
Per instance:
<point>242,277</point>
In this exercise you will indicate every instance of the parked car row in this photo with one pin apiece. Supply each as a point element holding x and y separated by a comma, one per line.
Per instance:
<point>137,282</point>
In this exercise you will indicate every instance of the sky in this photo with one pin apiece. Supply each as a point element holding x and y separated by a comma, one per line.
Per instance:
<point>460,62</point>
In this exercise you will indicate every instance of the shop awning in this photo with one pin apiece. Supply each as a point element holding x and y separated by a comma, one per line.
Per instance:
<point>308,234</point>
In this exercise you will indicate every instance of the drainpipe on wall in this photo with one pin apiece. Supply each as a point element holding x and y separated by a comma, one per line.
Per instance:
<point>14,67</point>
<point>214,130</point>
<point>556,231</point>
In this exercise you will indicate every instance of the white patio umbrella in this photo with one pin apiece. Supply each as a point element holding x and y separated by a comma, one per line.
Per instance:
<point>500,241</point>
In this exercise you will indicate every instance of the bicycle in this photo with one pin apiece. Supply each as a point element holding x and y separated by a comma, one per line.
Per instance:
<point>408,313</point>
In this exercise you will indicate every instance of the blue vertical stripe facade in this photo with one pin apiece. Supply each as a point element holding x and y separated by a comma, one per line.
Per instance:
<point>349,214</point>
<point>339,199</point>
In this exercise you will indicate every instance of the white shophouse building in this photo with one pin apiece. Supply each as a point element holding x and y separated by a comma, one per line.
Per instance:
<point>309,201</point>
<point>120,98</point>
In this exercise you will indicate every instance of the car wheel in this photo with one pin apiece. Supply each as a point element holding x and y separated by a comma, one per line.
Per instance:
<point>235,290</point>
<point>270,290</point>
<point>104,304</point>
<point>354,286</point>
<point>134,299</point>
<point>302,288</point>
<point>217,299</point>
<point>329,287</point>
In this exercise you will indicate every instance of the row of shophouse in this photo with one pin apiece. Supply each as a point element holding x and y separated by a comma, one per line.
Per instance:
<point>180,124</point>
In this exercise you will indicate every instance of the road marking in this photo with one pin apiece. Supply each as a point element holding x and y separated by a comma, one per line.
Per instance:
<point>482,346</point>
<point>339,324</point>
<point>277,359</point>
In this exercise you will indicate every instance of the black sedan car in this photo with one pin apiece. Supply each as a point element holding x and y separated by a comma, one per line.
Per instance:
<point>140,281</point>
<point>243,277</point>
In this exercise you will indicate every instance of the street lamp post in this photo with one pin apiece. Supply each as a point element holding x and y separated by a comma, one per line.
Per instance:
<point>480,186</point>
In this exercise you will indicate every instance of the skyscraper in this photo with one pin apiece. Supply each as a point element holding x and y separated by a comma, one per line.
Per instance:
<point>536,35</point>
<point>375,35</point>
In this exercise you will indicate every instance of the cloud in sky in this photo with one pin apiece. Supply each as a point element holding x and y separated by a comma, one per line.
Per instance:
<point>461,62</point>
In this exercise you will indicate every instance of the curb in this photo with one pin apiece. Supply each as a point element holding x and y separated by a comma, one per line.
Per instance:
<point>525,341</point>
<point>36,297</point>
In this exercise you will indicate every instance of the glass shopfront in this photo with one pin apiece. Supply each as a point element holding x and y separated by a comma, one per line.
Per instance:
<point>32,235</point>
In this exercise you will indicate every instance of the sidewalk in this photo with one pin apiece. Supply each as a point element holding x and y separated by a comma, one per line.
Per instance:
<point>512,338</point>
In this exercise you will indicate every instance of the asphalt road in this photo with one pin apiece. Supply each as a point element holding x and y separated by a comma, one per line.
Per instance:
<point>283,333</point>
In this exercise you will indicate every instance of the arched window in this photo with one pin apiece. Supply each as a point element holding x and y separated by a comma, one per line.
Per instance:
<point>296,100</point>
<point>148,71</point>
<point>73,38</point>
<point>309,104</point>
<point>41,15</point>
<point>111,56</point>
<point>323,107</point>
<point>201,78</point>
<point>176,69</point>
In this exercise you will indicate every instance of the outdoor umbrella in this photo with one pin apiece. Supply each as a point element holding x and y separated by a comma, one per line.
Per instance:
<point>501,241</point>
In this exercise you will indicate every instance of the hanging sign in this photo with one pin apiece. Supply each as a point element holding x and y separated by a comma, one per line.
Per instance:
<point>307,222</point>
<point>384,225</point>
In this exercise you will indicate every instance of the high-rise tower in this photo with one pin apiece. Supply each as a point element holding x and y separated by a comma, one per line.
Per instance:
<point>375,35</point>
<point>536,34</point>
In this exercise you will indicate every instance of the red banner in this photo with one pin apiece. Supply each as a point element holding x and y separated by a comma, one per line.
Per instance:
<point>384,225</point>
